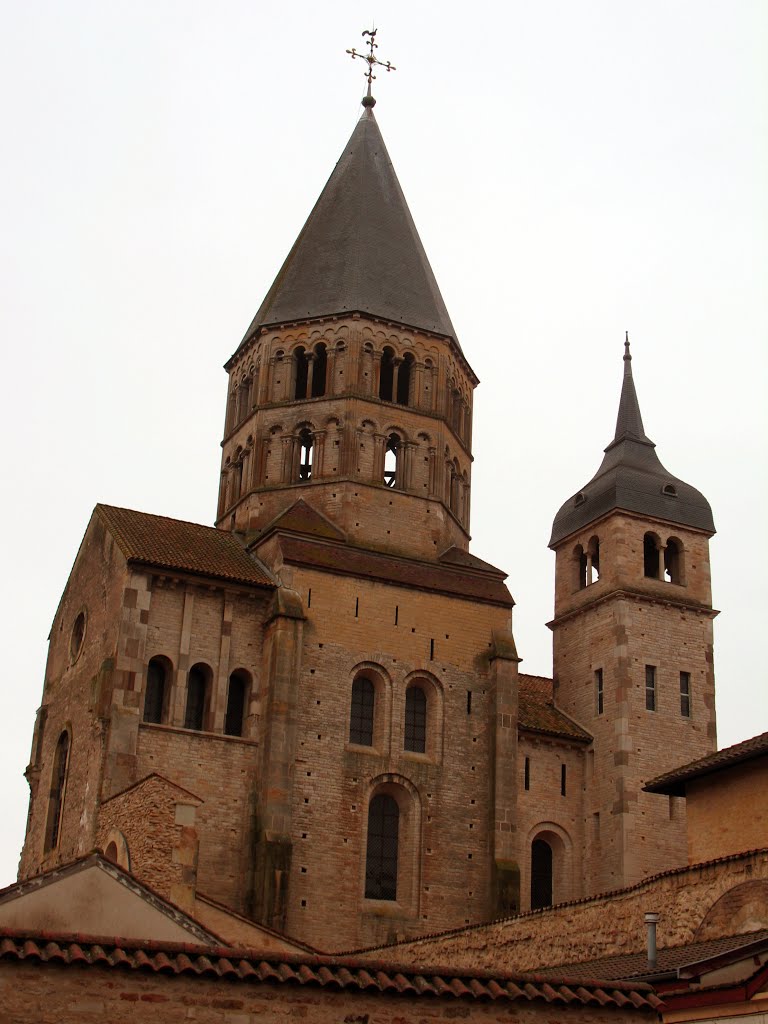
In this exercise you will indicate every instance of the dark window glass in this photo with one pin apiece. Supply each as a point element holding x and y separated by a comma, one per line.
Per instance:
<point>154,699</point>
<point>361,712</point>
<point>58,783</point>
<point>300,359</point>
<point>386,375</point>
<point>233,720</point>
<point>541,874</point>
<point>381,856</point>
<point>650,687</point>
<point>650,556</point>
<point>415,719</point>
<point>685,694</point>
<point>195,710</point>
<point>599,690</point>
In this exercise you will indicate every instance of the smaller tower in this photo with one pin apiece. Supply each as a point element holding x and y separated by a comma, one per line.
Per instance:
<point>633,645</point>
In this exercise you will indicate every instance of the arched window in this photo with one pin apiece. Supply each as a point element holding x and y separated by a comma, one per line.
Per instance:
<point>386,375</point>
<point>319,371</point>
<point>673,561</point>
<point>154,696</point>
<point>361,712</point>
<point>391,454</point>
<point>58,788</point>
<point>541,874</point>
<point>381,854</point>
<point>415,737</point>
<point>404,380</point>
<point>243,400</point>
<point>651,546</point>
<point>300,372</point>
<point>197,685</point>
<point>306,444</point>
<point>236,697</point>
<point>111,852</point>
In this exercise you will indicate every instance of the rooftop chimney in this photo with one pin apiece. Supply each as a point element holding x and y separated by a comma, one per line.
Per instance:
<point>651,920</point>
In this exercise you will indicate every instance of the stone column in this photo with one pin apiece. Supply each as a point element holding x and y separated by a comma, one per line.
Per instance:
<point>432,486</point>
<point>310,357</point>
<point>396,363</point>
<point>376,374</point>
<point>318,455</point>
<point>379,441</point>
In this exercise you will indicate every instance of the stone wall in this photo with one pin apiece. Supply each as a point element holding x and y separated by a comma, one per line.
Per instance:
<point>588,929</point>
<point>32,991</point>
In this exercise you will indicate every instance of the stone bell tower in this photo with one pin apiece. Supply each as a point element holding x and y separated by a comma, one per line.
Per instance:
<point>633,645</point>
<point>350,388</point>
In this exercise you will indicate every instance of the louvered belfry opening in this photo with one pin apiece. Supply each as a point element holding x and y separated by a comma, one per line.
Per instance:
<point>381,856</point>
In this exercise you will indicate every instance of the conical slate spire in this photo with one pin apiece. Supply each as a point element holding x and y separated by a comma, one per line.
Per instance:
<point>632,478</point>
<point>359,250</point>
<point>629,422</point>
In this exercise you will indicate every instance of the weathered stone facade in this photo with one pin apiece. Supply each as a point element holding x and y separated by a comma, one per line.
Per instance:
<point>203,685</point>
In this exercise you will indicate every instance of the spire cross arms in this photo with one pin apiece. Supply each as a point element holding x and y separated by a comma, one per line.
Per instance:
<point>372,61</point>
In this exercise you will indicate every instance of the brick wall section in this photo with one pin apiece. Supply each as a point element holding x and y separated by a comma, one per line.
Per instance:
<point>449,790</point>
<point>67,995</point>
<point>75,695</point>
<point>543,812</point>
<point>350,425</point>
<point>620,624</point>
<point>157,820</point>
<point>221,772</point>
<point>592,928</point>
<point>728,812</point>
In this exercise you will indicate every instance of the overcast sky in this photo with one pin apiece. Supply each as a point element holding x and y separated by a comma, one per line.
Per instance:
<point>575,170</point>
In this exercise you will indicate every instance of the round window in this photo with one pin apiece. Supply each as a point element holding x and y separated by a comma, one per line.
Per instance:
<point>78,634</point>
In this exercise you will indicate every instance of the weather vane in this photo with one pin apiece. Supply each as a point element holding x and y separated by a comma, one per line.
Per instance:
<point>371,60</point>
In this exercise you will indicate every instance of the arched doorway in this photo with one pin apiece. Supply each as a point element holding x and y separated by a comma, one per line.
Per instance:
<point>541,874</point>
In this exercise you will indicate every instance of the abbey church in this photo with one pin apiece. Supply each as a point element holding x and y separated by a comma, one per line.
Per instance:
<point>308,718</point>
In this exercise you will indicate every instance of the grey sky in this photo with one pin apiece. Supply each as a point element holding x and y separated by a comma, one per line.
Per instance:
<point>574,170</point>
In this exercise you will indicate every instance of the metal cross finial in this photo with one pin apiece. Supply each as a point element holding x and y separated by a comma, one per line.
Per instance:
<point>371,60</point>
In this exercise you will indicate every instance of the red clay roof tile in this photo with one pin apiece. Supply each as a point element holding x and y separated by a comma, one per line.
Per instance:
<point>537,711</point>
<point>673,783</point>
<point>184,547</point>
<point>329,971</point>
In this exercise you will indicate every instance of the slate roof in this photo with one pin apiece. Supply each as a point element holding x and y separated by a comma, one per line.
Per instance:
<point>359,249</point>
<point>668,961</point>
<point>631,477</point>
<point>374,565</point>
<point>244,965</point>
<point>537,711</point>
<point>173,544</point>
<point>673,783</point>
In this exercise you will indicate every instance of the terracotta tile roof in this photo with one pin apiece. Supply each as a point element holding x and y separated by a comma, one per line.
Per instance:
<point>373,565</point>
<point>537,711</point>
<point>184,547</point>
<point>233,964</point>
<point>669,960</point>
<point>673,783</point>
<point>455,556</point>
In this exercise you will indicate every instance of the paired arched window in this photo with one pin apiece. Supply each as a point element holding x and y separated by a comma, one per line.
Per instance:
<point>362,712</point>
<point>381,858</point>
<point>587,563</point>
<point>662,561</point>
<point>541,874</point>
<point>404,374</point>
<point>154,697</point>
<point>415,736</point>
<point>310,370</point>
<point>236,700</point>
<point>197,692</point>
<point>58,788</point>
<point>395,375</point>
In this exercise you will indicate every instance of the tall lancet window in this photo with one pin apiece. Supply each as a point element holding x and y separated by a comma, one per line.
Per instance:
<point>58,787</point>
<point>381,855</point>
<point>391,454</point>
<point>306,445</point>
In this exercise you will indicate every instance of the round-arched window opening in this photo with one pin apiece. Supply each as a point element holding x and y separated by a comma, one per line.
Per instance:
<point>77,637</point>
